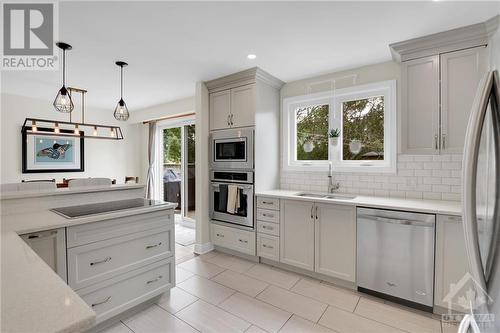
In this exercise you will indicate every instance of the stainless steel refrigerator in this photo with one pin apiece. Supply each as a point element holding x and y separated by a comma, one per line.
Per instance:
<point>481,205</point>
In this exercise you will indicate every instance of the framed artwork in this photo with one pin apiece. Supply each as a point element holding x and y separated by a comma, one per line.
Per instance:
<point>52,153</point>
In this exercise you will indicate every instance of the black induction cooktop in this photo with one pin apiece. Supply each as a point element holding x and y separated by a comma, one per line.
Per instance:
<point>105,207</point>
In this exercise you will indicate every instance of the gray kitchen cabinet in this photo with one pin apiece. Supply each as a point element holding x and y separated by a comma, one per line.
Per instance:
<point>461,72</point>
<point>335,241</point>
<point>233,107</point>
<point>420,105</point>
<point>437,93</point>
<point>297,233</point>
<point>451,259</point>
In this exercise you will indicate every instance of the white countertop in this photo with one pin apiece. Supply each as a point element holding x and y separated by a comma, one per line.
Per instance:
<point>415,205</point>
<point>67,190</point>
<point>33,296</point>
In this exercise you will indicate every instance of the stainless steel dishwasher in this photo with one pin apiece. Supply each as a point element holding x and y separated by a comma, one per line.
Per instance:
<point>395,256</point>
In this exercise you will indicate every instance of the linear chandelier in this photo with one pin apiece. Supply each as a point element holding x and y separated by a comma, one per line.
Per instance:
<point>34,126</point>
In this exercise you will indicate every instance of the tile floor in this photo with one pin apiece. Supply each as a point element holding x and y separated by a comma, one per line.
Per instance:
<point>217,292</point>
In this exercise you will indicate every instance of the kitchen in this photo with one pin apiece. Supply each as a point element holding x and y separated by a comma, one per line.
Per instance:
<point>352,193</point>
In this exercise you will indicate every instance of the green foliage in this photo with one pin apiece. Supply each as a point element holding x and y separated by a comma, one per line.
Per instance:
<point>172,145</point>
<point>191,131</point>
<point>334,133</point>
<point>312,125</point>
<point>363,120</point>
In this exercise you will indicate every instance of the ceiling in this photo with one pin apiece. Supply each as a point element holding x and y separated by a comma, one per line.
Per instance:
<point>171,45</point>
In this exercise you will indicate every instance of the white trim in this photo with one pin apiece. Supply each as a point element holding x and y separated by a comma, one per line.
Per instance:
<point>385,88</point>
<point>203,248</point>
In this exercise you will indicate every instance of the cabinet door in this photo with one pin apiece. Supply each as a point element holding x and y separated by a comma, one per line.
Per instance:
<point>420,106</point>
<point>243,106</point>
<point>335,241</point>
<point>461,72</point>
<point>220,108</point>
<point>451,259</point>
<point>297,234</point>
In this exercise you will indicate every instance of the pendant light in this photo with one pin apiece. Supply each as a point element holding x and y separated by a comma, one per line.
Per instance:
<point>121,111</point>
<point>63,102</point>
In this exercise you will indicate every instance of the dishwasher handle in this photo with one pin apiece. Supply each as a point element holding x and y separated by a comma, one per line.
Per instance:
<point>397,221</point>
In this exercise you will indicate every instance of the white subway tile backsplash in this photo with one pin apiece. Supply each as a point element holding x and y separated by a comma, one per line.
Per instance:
<point>433,177</point>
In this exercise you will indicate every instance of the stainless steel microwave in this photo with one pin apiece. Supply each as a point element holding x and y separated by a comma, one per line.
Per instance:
<point>232,149</point>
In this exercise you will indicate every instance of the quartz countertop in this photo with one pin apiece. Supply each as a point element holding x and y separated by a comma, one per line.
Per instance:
<point>414,205</point>
<point>34,298</point>
<point>67,190</point>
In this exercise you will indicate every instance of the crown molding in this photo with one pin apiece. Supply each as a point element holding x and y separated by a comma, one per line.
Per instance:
<point>247,76</point>
<point>446,41</point>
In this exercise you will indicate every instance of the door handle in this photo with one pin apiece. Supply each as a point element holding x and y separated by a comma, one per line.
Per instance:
<point>312,216</point>
<point>231,118</point>
<point>436,142</point>
<point>316,212</point>
<point>443,141</point>
<point>228,123</point>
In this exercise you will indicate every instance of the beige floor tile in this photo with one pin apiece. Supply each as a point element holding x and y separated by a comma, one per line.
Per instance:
<point>208,255</point>
<point>297,324</point>
<point>181,274</point>
<point>242,283</point>
<point>183,250</point>
<point>449,328</point>
<point>347,322</point>
<point>231,262</point>
<point>397,317</point>
<point>176,300</point>
<point>327,294</point>
<point>305,307</point>
<point>155,319</point>
<point>206,317</point>
<point>278,278</point>
<point>256,312</point>
<point>255,329</point>
<point>180,260</point>
<point>119,327</point>
<point>202,268</point>
<point>205,289</point>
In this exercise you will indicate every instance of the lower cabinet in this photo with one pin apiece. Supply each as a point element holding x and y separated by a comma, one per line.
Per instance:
<point>319,237</point>
<point>451,260</point>
<point>235,239</point>
<point>297,233</point>
<point>335,241</point>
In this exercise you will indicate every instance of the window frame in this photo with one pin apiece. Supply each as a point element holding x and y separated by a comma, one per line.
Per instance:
<point>387,89</point>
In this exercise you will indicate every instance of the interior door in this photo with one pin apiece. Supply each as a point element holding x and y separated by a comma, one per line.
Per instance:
<point>297,234</point>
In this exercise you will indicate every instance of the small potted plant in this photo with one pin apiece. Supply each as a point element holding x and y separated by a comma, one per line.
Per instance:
<point>334,136</point>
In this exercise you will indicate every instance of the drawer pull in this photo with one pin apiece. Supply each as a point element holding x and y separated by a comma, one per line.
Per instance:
<point>267,246</point>
<point>153,246</point>
<point>243,241</point>
<point>100,261</point>
<point>266,227</point>
<point>101,302</point>
<point>154,280</point>
<point>220,235</point>
<point>267,215</point>
<point>267,202</point>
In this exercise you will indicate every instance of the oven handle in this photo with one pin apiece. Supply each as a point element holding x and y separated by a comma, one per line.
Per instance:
<point>245,187</point>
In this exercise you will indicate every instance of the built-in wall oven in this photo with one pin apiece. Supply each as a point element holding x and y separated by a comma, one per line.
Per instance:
<point>232,149</point>
<point>231,197</point>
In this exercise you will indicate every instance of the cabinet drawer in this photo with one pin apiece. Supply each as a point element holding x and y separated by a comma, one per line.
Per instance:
<point>235,239</point>
<point>116,295</point>
<point>98,231</point>
<point>268,228</point>
<point>268,247</point>
<point>91,263</point>
<point>268,215</point>
<point>268,203</point>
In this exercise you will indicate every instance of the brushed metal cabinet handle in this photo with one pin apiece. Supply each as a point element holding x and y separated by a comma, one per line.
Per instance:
<point>443,140</point>
<point>100,261</point>
<point>312,216</point>
<point>436,142</point>
<point>220,235</point>
<point>101,302</point>
<point>267,246</point>
<point>243,241</point>
<point>316,212</point>
<point>153,246</point>
<point>154,280</point>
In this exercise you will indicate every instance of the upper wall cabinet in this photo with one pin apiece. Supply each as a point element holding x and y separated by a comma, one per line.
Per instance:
<point>232,107</point>
<point>437,95</point>
<point>439,78</point>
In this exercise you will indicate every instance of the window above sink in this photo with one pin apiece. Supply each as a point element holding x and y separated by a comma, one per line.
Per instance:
<point>365,116</point>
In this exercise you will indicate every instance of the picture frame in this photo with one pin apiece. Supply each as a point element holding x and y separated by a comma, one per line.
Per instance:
<point>44,153</point>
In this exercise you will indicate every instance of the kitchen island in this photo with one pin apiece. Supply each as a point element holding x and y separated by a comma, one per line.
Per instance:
<point>34,298</point>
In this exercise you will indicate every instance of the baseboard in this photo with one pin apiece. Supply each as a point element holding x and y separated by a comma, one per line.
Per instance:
<point>203,248</point>
<point>237,254</point>
<point>188,223</point>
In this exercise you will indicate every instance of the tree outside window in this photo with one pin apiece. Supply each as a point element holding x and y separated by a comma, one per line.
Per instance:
<point>312,132</point>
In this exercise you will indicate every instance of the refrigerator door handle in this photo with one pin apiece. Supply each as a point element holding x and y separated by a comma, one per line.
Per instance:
<point>469,174</point>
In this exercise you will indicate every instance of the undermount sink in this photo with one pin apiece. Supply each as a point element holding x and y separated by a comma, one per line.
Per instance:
<point>327,196</point>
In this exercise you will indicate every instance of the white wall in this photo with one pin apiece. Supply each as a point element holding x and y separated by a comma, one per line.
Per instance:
<point>422,176</point>
<point>103,158</point>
